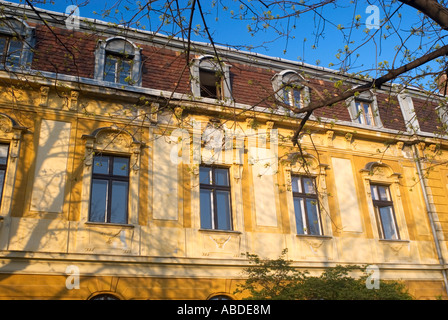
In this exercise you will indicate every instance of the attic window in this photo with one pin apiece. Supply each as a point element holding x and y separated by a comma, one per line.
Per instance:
<point>117,69</point>
<point>10,51</point>
<point>293,95</point>
<point>210,84</point>
<point>117,60</point>
<point>363,110</point>
<point>210,78</point>
<point>16,41</point>
<point>290,89</point>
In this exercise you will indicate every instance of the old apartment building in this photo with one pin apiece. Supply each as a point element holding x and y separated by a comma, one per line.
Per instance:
<point>149,174</point>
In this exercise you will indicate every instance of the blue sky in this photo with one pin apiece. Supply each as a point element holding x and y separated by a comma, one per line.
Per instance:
<point>306,46</point>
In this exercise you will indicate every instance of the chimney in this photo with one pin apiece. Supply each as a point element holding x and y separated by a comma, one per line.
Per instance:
<point>442,83</point>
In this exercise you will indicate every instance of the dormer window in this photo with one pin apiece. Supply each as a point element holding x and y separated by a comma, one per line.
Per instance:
<point>290,89</point>
<point>10,51</point>
<point>210,78</point>
<point>210,84</point>
<point>293,95</point>
<point>364,113</point>
<point>16,41</point>
<point>117,69</point>
<point>363,109</point>
<point>118,61</point>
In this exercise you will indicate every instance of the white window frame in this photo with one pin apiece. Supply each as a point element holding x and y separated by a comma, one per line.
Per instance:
<point>290,81</point>
<point>134,57</point>
<point>366,97</point>
<point>408,111</point>
<point>15,28</point>
<point>211,64</point>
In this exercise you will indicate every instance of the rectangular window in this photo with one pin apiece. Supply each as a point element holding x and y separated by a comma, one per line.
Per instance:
<point>292,95</point>
<point>215,199</point>
<point>306,205</point>
<point>384,211</point>
<point>10,51</point>
<point>117,69</point>
<point>110,189</point>
<point>364,112</point>
<point>4,150</point>
<point>210,84</point>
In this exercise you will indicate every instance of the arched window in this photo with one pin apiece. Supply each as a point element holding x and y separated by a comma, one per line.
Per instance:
<point>221,297</point>
<point>290,88</point>
<point>10,138</point>
<point>16,43</point>
<point>118,60</point>
<point>112,164</point>
<point>307,200</point>
<point>104,296</point>
<point>382,185</point>
<point>210,78</point>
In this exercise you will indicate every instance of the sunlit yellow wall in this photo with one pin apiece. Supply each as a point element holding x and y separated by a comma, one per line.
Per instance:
<point>163,254</point>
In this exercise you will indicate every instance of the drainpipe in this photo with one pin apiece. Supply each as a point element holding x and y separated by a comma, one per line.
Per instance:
<point>430,214</point>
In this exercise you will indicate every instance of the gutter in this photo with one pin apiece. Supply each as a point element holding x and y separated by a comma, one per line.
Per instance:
<point>430,215</point>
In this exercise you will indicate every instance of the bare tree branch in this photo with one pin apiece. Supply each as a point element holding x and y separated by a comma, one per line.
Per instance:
<point>377,83</point>
<point>432,9</point>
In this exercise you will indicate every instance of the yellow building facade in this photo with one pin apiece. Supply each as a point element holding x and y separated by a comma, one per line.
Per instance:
<point>146,191</point>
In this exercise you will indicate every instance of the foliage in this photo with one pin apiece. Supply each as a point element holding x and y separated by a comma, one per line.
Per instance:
<point>279,280</point>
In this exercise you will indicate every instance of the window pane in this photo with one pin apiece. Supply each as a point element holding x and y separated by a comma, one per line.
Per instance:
<point>222,177</point>
<point>358,111</point>
<point>364,114</point>
<point>4,154</point>
<point>374,192</point>
<point>296,184</point>
<point>124,72</point>
<point>98,201</point>
<point>14,52</point>
<point>286,96</point>
<point>206,209</point>
<point>121,166</point>
<point>101,164</point>
<point>383,193</point>
<point>3,43</point>
<point>2,182</point>
<point>119,202</point>
<point>388,223</point>
<point>308,184</point>
<point>109,68</point>
<point>209,82</point>
<point>313,216</point>
<point>223,208</point>
<point>367,113</point>
<point>297,98</point>
<point>299,210</point>
<point>205,175</point>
